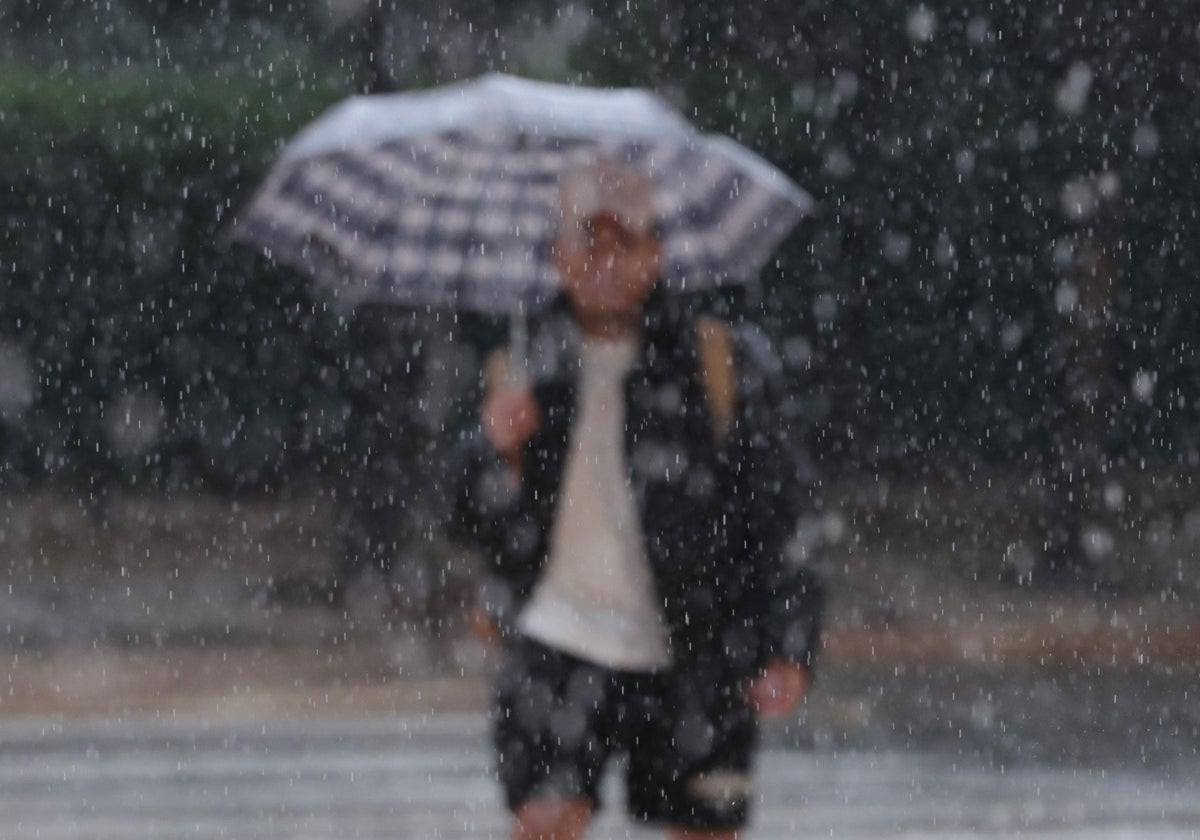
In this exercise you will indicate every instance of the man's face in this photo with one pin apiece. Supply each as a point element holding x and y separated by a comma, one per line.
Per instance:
<point>605,268</point>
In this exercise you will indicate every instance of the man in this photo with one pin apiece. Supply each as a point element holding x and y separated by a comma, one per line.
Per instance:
<point>634,497</point>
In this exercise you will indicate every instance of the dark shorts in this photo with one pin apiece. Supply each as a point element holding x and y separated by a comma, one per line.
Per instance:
<point>557,721</point>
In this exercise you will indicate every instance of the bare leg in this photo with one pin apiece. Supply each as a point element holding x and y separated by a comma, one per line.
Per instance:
<point>702,834</point>
<point>552,819</point>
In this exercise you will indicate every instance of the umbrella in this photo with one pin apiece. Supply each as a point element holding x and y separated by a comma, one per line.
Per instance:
<point>449,197</point>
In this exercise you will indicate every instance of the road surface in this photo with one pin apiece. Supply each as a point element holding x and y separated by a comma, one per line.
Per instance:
<point>428,777</point>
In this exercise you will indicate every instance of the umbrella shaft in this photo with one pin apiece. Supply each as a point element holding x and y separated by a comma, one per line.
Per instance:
<point>518,348</point>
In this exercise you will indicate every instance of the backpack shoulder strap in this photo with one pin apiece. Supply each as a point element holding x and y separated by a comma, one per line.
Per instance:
<point>718,372</point>
<point>715,357</point>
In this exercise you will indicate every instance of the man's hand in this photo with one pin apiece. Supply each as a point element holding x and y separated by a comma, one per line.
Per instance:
<point>483,626</point>
<point>510,418</point>
<point>778,689</point>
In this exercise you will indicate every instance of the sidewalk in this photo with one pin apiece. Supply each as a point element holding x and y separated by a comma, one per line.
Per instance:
<point>377,671</point>
<point>162,612</point>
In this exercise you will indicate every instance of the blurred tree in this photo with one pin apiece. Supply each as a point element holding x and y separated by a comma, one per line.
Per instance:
<point>1002,269</point>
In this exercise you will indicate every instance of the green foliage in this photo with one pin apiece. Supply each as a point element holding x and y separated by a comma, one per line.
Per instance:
<point>122,294</point>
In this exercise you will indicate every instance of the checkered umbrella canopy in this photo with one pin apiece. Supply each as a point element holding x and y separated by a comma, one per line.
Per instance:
<point>449,197</point>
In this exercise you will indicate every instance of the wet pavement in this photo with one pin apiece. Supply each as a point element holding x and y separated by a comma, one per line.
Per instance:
<point>149,691</point>
<point>1144,718</point>
<point>414,776</point>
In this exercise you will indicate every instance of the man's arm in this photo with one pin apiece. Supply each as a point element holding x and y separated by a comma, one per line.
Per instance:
<point>774,479</point>
<point>510,415</point>
<point>487,470</point>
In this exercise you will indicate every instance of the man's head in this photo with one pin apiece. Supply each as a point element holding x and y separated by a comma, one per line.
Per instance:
<point>607,252</point>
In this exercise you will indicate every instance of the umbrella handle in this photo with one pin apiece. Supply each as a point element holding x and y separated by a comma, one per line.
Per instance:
<point>518,348</point>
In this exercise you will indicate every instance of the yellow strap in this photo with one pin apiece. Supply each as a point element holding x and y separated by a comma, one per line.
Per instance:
<point>715,350</point>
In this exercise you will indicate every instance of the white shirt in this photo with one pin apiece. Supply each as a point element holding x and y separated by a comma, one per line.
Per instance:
<point>596,598</point>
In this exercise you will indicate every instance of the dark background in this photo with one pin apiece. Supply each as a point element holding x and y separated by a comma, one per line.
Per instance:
<point>1001,280</point>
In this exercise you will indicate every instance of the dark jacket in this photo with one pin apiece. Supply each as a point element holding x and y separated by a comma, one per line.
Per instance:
<point>716,518</point>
